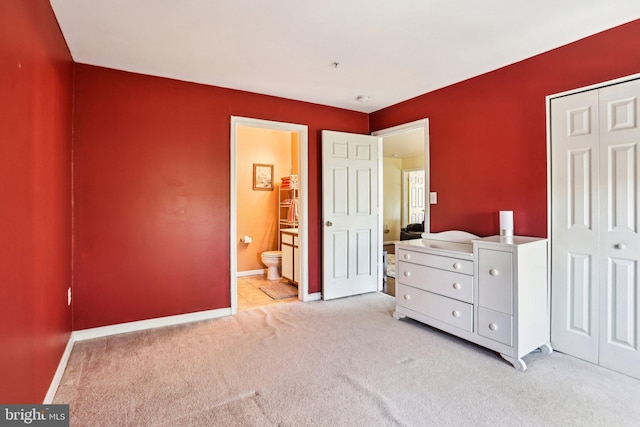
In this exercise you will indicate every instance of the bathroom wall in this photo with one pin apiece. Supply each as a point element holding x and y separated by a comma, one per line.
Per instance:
<point>257,214</point>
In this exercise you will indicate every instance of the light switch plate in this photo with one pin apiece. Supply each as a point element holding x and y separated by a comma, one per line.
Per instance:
<point>433,197</point>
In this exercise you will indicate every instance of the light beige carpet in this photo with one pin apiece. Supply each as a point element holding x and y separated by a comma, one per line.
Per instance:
<point>344,362</point>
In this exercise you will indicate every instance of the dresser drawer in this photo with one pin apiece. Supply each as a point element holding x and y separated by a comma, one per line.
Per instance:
<point>496,326</point>
<point>443,282</point>
<point>442,262</point>
<point>447,310</point>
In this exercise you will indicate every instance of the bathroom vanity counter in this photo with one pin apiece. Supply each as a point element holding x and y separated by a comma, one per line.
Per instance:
<point>290,254</point>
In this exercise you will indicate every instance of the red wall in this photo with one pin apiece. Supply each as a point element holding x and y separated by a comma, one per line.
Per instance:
<point>488,134</point>
<point>151,191</point>
<point>35,187</point>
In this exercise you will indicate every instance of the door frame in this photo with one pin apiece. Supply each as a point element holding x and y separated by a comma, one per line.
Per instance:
<point>394,130</point>
<point>303,201</point>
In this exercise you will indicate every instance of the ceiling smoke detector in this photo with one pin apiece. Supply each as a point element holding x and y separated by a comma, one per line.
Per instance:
<point>363,98</point>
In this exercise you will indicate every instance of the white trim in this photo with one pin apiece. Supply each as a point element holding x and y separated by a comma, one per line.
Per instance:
<point>303,179</point>
<point>251,272</point>
<point>316,296</point>
<point>57,377</point>
<point>141,325</point>
<point>595,86</point>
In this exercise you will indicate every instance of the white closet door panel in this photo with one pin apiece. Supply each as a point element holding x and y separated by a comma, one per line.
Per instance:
<point>574,280</point>
<point>619,238</point>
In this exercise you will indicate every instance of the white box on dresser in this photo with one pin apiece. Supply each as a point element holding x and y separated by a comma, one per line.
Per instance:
<point>492,291</point>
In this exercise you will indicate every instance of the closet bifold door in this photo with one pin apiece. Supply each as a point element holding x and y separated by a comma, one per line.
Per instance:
<point>595,205</point>
<point>574,225</point>
<point>619,220</point>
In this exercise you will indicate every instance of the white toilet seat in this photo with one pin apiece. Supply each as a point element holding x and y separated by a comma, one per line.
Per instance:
<point>272,260</point>
<point>272,254</point>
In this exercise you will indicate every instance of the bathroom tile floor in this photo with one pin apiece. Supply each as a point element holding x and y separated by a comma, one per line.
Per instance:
<point>250,295</point>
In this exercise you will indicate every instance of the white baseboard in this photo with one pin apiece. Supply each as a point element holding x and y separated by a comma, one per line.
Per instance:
<point>57,377</point>
<point>250,272</point>
<point>313,297</point>
<point>140,325</point>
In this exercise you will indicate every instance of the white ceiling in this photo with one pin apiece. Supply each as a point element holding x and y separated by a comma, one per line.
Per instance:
<point>388,50</point>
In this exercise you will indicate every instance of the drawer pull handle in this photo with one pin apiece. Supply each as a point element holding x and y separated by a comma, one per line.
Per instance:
<point>407,256</point>
<point>494,272</point>
<point>455,313</point>
<point>493,326</point>
<point>456,286</point>
<point>457,266</point>
<point>407,297</point>
<point>407,273</point>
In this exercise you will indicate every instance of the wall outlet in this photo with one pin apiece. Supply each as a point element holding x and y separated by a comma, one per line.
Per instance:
<point>69,297</point>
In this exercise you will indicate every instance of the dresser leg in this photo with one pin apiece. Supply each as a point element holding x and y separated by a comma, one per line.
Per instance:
<point>398,316</point>
<point>517,363</point>
<point>546,348</point>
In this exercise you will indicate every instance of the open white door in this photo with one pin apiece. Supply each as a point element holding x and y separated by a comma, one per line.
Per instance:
<point>350,214</point>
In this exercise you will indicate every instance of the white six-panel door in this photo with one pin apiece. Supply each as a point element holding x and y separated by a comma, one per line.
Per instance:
<point>416,196</point>
<point>595,150</point>
<point>350,214</point>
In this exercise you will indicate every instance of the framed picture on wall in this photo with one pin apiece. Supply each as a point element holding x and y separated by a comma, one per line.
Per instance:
<point>262,177</point>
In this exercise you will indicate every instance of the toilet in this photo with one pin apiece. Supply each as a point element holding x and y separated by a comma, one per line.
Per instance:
<point>272,260</point>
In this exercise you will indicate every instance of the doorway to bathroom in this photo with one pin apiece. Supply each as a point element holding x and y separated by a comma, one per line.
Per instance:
<point>269,186</point>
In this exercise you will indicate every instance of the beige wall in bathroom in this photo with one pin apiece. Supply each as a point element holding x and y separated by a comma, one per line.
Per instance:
<point>257,214</point>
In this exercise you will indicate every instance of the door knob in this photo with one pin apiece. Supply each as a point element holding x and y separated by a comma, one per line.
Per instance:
<point>620,246</point>
<point>328,223</point>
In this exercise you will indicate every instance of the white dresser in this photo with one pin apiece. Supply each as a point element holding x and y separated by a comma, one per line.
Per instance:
<point>492,291</point>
